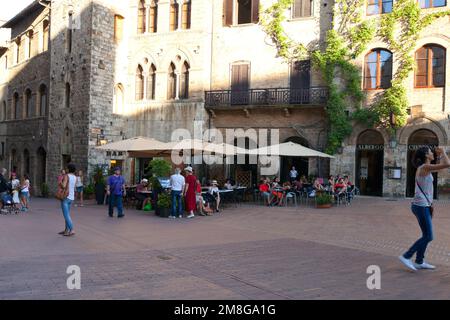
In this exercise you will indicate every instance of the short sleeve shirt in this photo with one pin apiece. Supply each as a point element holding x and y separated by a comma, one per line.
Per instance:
<point>115,184</point>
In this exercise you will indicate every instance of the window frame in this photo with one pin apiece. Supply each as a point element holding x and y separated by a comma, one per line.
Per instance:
<point>380,7</point>
<point>311,13</point>
<point>429,73</point>
<point>431,5</point>
<point>378,76</point>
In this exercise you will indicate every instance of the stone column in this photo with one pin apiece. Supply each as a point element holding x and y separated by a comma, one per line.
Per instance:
<point>147,18</point>
<point>180,12</point>
<point>177,85</point>
<point>145,84</point>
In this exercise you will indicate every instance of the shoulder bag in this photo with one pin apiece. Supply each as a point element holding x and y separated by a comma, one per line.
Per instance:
<point>62,192</point>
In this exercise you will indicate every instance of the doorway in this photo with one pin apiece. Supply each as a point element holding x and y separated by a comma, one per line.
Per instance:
<point>301,164</point>
<point>418,139</point>
<point>370,163</point>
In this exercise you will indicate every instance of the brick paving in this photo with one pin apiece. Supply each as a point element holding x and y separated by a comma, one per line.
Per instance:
<point>249,252</point>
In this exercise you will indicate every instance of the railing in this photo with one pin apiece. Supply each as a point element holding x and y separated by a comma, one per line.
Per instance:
<point>271,96</point>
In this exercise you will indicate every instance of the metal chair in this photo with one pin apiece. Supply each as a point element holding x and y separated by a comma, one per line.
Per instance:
<point>290,196</point>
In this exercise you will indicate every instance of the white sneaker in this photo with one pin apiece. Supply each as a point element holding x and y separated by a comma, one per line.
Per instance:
<point>190,216</point>
<point>172,217</point>
<point>180,217</point>
<point>424,266</point>
<point>408,263</point>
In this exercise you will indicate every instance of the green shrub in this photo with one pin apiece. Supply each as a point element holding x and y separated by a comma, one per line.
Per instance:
<point>164,201</point>
<point>90,189</point>
<point>45,190</point>
<point>324,198</point>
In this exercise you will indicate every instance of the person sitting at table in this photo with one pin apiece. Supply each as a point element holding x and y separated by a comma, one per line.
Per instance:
<point>331,183</point>
<point>318,185</point>
<point>228,185</point>
<point>277,193</point>
<point>214,191</point>
<point>264,189</point>
<point>141,196</point>
<point>339,189</point>
<point>203,206</point>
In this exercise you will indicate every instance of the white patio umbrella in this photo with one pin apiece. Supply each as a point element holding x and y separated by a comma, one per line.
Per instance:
<point>289,149</point>
<point>138,146</point>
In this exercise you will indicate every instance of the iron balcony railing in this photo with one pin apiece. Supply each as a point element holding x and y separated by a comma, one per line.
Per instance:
<point>270,96</point>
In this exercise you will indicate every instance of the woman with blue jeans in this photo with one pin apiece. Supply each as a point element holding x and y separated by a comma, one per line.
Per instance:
<point>422,204</point>
<point>68,183</point>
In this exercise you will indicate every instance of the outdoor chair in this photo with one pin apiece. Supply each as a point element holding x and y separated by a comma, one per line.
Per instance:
<point>290,196</point>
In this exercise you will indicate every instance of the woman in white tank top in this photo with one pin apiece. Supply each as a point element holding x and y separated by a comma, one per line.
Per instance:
<point>422,204</point>
<point>69,182</point>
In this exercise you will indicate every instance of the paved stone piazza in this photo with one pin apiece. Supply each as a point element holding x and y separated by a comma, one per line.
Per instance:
<point>248,252</point>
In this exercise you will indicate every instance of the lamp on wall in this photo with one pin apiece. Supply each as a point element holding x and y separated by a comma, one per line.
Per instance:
<point>101,139</point>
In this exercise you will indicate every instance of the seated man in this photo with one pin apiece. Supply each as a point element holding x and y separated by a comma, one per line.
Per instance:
<point>340,189</point>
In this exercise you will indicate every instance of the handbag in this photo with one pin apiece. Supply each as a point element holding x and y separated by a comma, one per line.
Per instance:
<point>62,193</point>
<point>431,204</point>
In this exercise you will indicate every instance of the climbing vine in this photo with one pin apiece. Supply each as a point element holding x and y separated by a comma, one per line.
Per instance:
<point>348,38</point>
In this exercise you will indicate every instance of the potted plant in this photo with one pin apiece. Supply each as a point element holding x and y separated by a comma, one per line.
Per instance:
<point>89,191</point>
<point>164,205</point>
<point>157,168</point>
<point>99,185</point>
<point>324,200</point>
<point>45,191</point>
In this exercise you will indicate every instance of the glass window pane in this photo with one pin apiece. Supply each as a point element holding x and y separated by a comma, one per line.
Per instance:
<point>439,3</point>
<point>422,65</point>
<point>387,6</point>
<point>372,9</point>
<point>421,81</point>
<point>424,3</point>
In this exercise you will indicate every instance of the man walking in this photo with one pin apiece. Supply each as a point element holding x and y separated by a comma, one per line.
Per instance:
<point>177,182</point>
<point>115,189</point>
<point>4,186</point>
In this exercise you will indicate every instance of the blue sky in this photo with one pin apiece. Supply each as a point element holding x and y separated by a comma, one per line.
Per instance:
<point>11,7</point>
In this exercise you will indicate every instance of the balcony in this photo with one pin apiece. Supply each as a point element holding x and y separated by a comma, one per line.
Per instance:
<point>267,97</point>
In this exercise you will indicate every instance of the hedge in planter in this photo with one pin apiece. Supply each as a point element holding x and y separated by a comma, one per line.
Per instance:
<point>324,200</point>
<point>164,205</point>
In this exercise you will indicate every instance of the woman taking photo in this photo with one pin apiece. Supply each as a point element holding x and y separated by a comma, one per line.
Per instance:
<point>422,205</point>
<point>67,186</point>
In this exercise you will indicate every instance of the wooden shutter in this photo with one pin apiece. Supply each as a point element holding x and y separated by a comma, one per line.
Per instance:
<point>228,12</point>
<point>239,77</point>
<point>255,11</point>
<point>300,74</point>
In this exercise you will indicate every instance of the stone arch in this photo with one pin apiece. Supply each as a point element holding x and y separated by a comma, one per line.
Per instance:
<point>438,39</point>
<point>358,129</point>
<point>184,55</point>
<point>423,123</point>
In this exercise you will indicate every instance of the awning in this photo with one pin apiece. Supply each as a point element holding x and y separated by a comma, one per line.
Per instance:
<point>289,149</point>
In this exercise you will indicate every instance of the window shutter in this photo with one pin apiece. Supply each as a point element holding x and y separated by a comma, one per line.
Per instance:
<point>255,11</point>
<point>228,12</point>
<point>243,77</point>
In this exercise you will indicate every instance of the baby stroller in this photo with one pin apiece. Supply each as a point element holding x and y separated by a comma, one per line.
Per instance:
<point>9,207</point>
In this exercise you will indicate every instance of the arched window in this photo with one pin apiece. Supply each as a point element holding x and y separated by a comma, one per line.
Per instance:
<point>69,38</point>
<point>141,17</point>
<point>430,67</point>
<point>43,100</point>
<point>30,43</point>
<point>379,6</point>
<point>28,104</point>
<point>173,15</point>
<point>16,106</point>
<point>151,83</point>
<point>184,81</point>
<point>45,35</point>
<point>118,28</point>
<point>153,18</point>
<point>432,3</point>
<point>18,49</point>
<point>118,99</point>
<point>67,96</point>
<point>172,83</point>
<point>26,162</point>
<point>378,69</point>
<point>139,83</point>
<point>186,15</point>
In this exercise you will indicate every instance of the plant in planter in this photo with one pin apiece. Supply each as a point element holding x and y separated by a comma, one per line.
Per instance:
<point>164,205</point>
<point>99,185</point>
<point>157,168</point>
<point>89,191</point>
<point>45,190</point>
<point>324,200</point>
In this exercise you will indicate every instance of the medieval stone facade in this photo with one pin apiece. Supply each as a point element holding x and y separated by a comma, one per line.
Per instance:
<point>380,162</point>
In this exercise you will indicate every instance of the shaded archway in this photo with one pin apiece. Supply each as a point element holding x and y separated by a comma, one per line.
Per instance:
<point>26,162</point>
<point>301,164</point>
<point>244,171</point>
<point>370,163</point>
<point>419,138</point>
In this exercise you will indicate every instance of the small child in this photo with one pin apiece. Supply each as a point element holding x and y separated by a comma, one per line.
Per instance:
<point>15,186</point>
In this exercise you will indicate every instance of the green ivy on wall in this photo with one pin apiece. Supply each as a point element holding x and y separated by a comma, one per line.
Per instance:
<point>348,38</point>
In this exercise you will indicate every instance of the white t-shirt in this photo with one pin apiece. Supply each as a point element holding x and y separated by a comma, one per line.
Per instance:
<point>15,184</point>
<point>79,182</point>
<point>177,182</point>
<point>26,187</point>
<point>294,173</point>
<point>72,182</point>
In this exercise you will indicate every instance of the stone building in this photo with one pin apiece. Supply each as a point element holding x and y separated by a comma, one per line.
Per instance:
<point>379,162</point>
<point>24,92</point>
